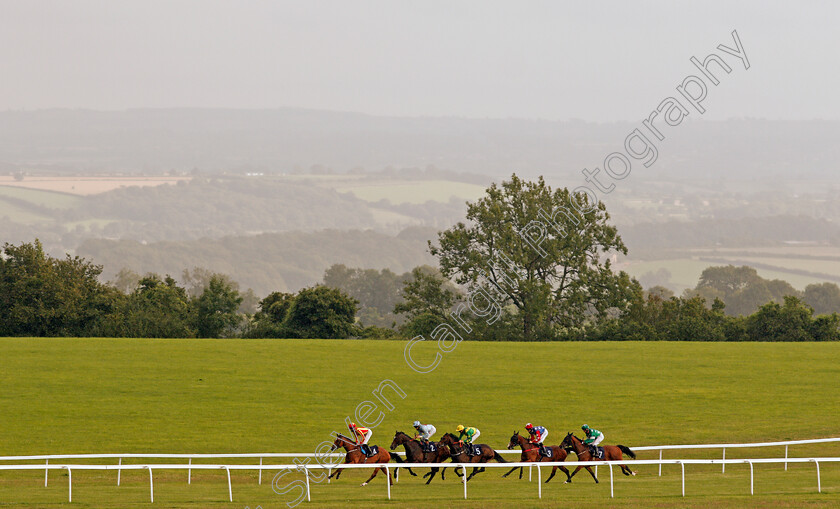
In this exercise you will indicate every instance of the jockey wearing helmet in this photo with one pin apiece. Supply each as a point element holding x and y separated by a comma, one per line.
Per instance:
<point>362,436</point>
<point>469,433</point>
<point>424,433</point>
<point>593,438</point>
<point>538,435</point>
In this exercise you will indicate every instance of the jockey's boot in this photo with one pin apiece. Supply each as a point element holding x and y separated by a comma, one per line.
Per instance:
<point>365,449</point>
<point>542,450</point>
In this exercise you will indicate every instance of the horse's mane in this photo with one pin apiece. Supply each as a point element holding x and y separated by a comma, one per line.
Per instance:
<point>451,435</point>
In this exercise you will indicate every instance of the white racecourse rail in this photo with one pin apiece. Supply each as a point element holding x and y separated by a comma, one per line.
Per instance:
<point>190,466</point>
<point>388,466</point>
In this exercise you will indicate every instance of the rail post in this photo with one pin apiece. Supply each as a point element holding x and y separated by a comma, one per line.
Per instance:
<point>682,465</point>
<point>464,468</point>
<point>660,464</point>
<point>46,473</point>
<point>819,488</point>
<point>189,473</point>
<point>260,481</point>
<point>306,471</point>
<point>530,471</point>
<point>786,457</point>
<point>388,475</point>
<point>612,493</point>
<point>723,468</point>
<point>539,482</point>
<point>151,486</point>
<point>119,471</point>
<point>751,476</point>
<point>69,484</point>
<point>596,471</point>
<point>230,488</point>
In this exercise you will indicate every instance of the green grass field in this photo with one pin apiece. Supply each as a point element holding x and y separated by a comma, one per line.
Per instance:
<point>48,199</point>
<point>167,396</point>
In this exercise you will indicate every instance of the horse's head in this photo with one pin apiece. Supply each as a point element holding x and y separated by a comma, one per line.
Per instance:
<point>448,439</point>
<point>514,440</point>
<point>399,439</point>
<point>568,442</point>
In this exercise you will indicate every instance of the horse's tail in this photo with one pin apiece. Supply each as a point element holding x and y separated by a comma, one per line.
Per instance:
<point>626,450</point>
<point>498,457</point>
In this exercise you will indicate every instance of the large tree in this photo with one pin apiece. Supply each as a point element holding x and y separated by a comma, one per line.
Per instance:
<point>544,251</point>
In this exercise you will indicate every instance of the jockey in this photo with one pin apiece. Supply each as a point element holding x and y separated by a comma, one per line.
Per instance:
<point>538,435</point>
<point>362,436</point>
<point>593,438</point>
<point>424,433</point>
<point>469,433</point>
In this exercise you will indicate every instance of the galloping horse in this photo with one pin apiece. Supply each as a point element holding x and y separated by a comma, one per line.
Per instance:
<point>414,453</point>
<point>532,454</point>
<point>355,455</point>
<point>458,454</point>
<point>611,453</point>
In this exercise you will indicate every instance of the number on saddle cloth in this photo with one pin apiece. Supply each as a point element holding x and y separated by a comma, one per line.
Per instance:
<point>546,452</point>
<point>473,450</point>
<point>599,452</point>
<point>428,446</point>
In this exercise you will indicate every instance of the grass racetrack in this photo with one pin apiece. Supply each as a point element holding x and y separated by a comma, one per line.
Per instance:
<point>65,396</point>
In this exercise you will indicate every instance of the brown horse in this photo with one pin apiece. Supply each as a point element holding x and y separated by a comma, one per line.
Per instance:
<point>414,453</point>
<point>611,453</point>
<point>458,454</point>
<point>355,455</point>
<point>531,453</point>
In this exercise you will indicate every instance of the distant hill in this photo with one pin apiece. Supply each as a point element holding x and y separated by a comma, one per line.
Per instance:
<point>296,140</point>
<point>267,262</point>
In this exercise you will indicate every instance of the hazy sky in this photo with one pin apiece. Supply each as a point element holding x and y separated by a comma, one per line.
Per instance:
<point>596,61</point>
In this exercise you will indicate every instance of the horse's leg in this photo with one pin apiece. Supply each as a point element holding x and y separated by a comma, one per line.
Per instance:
<point>573,474</point>
<point>510,471</point>
<point>443,474</point>
<point>375,471</point>
<point>553,471</point>
<point>432,474</point>
<point>592,473</point>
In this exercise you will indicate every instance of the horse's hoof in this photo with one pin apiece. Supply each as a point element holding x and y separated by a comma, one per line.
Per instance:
<point>566,482</point>
<point>364,484</point>
<point>634,473</point>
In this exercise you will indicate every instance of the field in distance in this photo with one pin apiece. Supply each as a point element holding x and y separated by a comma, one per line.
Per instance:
<point>215,396</point>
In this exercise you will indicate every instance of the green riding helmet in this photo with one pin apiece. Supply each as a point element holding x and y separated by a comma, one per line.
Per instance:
<point>584,427</point>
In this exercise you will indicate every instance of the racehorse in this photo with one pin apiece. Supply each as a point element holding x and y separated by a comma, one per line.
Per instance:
<point>458,454</point>
<point>414,453</point>
<point>531,453</point>
<point>611,453</point>
<point>355,455</point>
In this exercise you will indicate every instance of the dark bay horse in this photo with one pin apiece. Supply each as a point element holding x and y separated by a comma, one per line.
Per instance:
<point>611,453</point>
<point>458,454</point>
<point>414,454</point>
<point>531,453</point>
<point>355,455</point>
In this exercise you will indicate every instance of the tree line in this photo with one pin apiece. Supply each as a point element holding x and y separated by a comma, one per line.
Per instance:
<point>528,264</point>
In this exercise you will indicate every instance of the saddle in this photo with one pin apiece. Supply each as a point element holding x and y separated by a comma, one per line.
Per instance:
<point>597,452</point>
<point>473,450</point>
<point>370,450</point>
<point>428,446</point>
<point>546,452</point>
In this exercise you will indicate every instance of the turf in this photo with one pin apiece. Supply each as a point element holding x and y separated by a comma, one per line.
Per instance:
<point>167,396</point>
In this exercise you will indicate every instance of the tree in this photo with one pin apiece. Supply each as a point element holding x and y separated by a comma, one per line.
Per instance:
<point>216,308</point>
<point>158,308</point>
<point>788,322</point>
<point>376,291</point>
<point>427,299</point>
<point>540,250</point>
<point>45,296</point>
<point>321,312</point>
<point>823,297</point>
